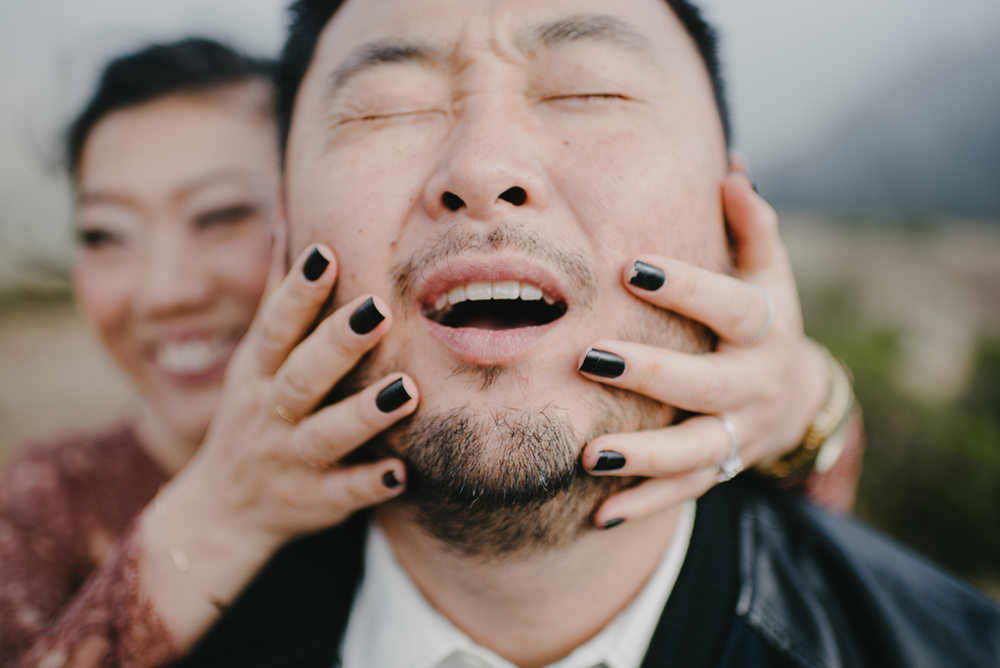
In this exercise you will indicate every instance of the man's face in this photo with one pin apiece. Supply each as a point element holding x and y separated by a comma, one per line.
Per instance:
<point>530,145</point>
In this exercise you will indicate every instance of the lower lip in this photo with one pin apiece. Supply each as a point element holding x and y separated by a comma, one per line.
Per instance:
<point>486,347</point>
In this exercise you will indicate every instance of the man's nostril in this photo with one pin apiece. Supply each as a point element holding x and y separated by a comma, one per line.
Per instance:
<point>515,196</point>
<point>452,201</point>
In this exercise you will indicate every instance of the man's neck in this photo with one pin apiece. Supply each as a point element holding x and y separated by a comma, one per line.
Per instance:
<point>536,609</point>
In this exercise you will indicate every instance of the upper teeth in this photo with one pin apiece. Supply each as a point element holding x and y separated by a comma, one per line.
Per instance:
<point>191,356</point>
<point>491,290</point>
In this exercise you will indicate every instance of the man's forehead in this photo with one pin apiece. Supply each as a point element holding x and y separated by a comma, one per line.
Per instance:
<point>543,35</point>
<point>363,31</point>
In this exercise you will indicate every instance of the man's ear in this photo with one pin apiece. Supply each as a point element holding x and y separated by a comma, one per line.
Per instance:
<point>280,230</point>
<point>279,244</point>
<point>738,161</point>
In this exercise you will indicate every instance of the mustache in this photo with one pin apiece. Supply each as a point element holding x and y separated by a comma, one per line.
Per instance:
<point>459,239</point>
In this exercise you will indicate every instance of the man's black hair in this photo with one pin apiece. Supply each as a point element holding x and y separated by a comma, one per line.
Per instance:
<point>309,17</point>
<point>191,65</point>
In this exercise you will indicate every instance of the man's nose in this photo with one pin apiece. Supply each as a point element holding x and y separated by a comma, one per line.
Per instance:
<point>490,169</point>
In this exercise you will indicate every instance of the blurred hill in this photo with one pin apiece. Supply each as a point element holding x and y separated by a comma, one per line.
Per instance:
<point>928,142</point>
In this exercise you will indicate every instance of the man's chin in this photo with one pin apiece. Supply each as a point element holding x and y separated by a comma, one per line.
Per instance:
<point>487,533</point>
<point>491,484</point>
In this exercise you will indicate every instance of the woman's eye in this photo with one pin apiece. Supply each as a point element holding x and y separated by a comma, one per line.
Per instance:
<point>95,238</point>
<point>225,216</point>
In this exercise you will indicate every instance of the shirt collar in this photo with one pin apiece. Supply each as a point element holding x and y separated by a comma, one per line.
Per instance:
<point>393,626</point>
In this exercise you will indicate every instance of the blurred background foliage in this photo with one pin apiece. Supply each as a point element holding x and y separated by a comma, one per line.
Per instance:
<point>931,473</point>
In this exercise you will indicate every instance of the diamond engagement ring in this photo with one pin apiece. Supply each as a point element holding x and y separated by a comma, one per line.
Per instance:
<point>732,465</point>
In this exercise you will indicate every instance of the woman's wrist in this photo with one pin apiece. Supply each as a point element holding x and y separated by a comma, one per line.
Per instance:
<point>196,560</point>
<point>828,414</point>
<point>220,546</point>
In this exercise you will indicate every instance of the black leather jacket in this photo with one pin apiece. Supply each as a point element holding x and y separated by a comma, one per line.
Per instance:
<point>824,590</point>
<point>770,580</point>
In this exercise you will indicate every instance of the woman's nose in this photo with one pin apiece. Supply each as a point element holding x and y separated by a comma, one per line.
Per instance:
<point>171,281</point>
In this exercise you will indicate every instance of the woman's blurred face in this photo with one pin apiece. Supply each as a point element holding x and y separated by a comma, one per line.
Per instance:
<point>177,202</point>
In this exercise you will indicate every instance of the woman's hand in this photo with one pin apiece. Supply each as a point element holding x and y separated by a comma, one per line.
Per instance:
<point>269,469</point>
<point>765,376</point>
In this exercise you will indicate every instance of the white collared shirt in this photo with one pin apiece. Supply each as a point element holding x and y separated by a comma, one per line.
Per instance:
<point>393,626</point>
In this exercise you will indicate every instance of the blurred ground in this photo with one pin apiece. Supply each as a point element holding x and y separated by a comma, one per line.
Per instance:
<point>54,376</point>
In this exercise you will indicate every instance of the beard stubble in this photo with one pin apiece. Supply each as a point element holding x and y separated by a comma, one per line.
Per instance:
<point>509,481</point>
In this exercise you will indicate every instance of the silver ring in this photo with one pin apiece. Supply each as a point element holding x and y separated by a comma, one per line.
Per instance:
<point>732,465</point>
<point>770,318</point>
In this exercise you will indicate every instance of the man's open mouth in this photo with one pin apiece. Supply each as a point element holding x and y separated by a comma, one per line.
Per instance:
<point>495,305</point>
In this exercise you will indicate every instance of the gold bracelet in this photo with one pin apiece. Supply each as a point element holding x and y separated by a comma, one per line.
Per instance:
<point>179,558</point>
<point>824,440</point>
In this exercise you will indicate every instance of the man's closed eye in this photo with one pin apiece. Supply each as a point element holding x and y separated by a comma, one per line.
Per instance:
<point>390,115</point>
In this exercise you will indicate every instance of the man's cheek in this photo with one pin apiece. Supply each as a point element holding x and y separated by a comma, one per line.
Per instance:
<point>390,164</point>
<point>369,197</point>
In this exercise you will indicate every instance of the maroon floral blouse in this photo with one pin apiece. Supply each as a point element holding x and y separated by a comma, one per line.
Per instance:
<point>69,594</point>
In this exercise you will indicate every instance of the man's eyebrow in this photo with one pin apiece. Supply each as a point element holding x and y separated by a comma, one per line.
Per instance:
<point>584,28</point>
<point>378,53</point>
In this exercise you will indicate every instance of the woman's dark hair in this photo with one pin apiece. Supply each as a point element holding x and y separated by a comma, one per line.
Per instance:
<point>190,65</point>
<point>309,17</point>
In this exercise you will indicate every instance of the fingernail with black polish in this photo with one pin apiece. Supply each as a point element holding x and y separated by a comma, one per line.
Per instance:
<point>609,460</point>
<point>366,317</point>
<point>315,265</point>
<point>389,480</point>
<point>603,364</point>
<point>611,524</point>
<point>647,277</point>
<point>392,397</point>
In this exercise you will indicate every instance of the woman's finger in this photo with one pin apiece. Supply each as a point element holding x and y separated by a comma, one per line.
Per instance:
<point>697,383</point>
<point>326,437</point>
<point>652,496</point>
<point>329,352</point>
<point>353,488</point>
<point>754,226</point>
<point>290,310</point>
<point>697,443</point>
<point>735,310</point>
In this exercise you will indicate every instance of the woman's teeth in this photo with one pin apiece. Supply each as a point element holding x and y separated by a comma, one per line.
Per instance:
<point>191,356</point>
<point>491,290</point>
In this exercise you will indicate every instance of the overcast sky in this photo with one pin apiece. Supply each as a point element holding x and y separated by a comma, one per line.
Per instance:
<point>794,67</point>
